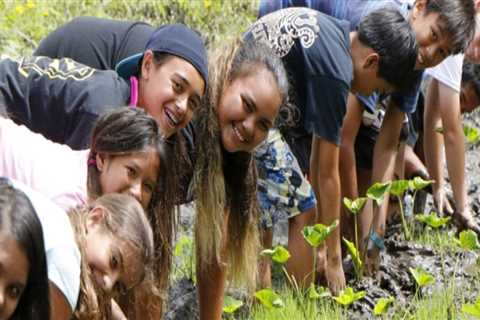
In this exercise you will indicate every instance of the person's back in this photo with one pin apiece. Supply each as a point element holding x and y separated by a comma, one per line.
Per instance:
<point>96,42</point>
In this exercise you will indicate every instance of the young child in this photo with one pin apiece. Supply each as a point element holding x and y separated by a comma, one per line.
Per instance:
<point>23,280</point>
<point>61,99</point>
<point>105,249</point>
<point>247,92</point>
<point>127,156</point>
<point>326,60</point>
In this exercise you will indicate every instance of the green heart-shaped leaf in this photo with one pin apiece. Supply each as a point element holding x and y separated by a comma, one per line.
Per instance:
<point>472,309</point>
<point>316,235</point>
<point>354,206</point>
<point>382,305</point>
<point>279,254</point>
<point>432,220</point>
<point>352,250</point>
<point>398,187</point>
<point>471,134</point>
<point>418,183</point>
<point>230,305</point>
<point>377,191</point>
<point>313,293</point>
<point>269,299</point>
<point>422,277</point>
<point>469,240</point>
<point>348,296</point>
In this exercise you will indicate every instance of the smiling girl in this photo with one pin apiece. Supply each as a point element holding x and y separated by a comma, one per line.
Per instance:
<point>248,90</point>
<point>23,265</point>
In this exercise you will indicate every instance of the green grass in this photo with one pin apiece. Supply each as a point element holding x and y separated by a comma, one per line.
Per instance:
<point>24,23</point>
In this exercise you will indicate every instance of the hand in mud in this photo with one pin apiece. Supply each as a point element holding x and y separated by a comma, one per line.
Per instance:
<point>465,220</point>
<point>441,203</point>
<point>372,261</point>
<point>335,277</point>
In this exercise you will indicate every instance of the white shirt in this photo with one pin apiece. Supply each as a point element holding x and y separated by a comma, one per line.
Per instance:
<point>63,256</point>
<point>449,72</point>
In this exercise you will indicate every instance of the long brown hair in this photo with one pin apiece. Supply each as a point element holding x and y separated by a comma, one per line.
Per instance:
<point>131,130</point>
<point>227,181</point>
<point>124,220</point>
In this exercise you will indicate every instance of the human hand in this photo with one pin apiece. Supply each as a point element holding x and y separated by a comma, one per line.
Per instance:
<point>441,202</point>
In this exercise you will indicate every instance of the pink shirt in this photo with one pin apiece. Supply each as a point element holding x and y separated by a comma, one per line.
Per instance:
<point>52,169</point>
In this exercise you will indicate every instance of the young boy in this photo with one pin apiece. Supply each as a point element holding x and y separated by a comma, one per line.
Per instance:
<point>442,27</point>
<point>326,61</point>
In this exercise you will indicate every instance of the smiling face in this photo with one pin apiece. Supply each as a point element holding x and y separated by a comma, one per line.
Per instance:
<point>434,42</point>
<point>247,110</point>
<point>114,265</point>
<point>134,174</point>
<point>14,268</point>
<point>169,92</point>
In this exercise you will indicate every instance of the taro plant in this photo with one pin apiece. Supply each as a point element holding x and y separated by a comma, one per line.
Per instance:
<point>355,207</point>
<point>432,220</point>
<point>472,309</point>
<point>269,299</point>
<point>472,134</point>
<point>278,254</point>
<point>314,294</point>
<point>417,184</point>
<point>348,296</point>
<point>230,305</point>
<point>356,259</point>
<point>398,188</point>
<point>377,191</point>
<point>468,240</point>
<point>422,278</point>
<point>382,306</point>
<point>315,236</point>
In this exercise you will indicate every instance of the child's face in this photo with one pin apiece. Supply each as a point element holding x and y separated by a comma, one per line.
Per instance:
<point>13,274</point>
<point>111,260</point>
<point>134,174</point>
<point>247,110</point>
<point>432,38</point>
<point>469,100</point>
<point>170,92</point>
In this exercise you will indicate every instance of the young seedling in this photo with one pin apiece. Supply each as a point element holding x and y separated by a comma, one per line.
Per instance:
<point>230,305</point>
<point>418,184</point>
<point>355,207</point>
<point>377,191</point>
<point>278,254</point>
<point>422,278</point>
<point>398,188</point>
<point>432,220</point>
<point>472,309</point>
<point>468,240</point>
<point>315,236</point>
<point>348,296</point>
<point>382,306</point>
<point>471,134</point>
<point>314,294</point>
<point>357,261</point>
<point>269,299</point>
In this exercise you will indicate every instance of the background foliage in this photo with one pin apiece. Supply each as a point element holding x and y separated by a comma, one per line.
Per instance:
<point>23,23</point>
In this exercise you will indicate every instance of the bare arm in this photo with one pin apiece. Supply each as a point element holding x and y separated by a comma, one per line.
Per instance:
<point>348,169</point>
<point>211,281</point>
<point>444,103</point>
<point>60,308</point>
<point>384,156</point>
<point>326,185</point>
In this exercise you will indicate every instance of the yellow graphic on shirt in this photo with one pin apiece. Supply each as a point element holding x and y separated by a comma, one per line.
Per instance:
<point>55,68</point>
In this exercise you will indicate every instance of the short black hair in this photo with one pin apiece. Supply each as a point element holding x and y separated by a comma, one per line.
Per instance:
<point>458,20</point>
<point>389,34</point>
<point>471,73</point>
<point>20,219</point>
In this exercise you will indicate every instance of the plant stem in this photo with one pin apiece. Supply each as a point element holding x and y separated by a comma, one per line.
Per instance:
<point>402,216</point>
<point>356,232</point>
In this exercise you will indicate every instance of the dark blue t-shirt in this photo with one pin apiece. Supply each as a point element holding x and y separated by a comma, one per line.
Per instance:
<point>315,49</point>
<point>353,11</point>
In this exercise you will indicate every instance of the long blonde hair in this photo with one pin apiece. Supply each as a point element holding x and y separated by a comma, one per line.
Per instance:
<point>126,221</point>
<point>227,181</point>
